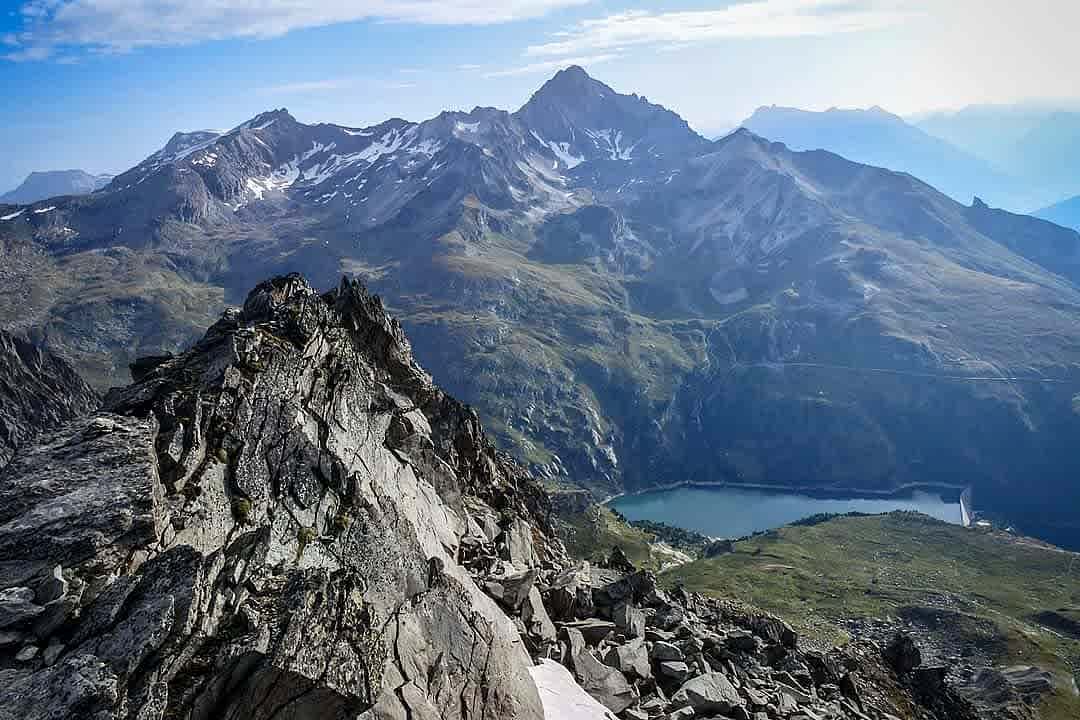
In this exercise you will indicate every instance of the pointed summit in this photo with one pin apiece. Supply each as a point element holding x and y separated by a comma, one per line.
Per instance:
<point>582,119</point>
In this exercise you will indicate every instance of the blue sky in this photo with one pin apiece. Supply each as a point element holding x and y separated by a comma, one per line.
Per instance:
<point>100,84</point>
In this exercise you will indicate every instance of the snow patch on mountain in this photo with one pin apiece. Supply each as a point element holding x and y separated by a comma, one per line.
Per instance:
<point>561,150</point>
<point>610,141</point>
<point>13,215</point>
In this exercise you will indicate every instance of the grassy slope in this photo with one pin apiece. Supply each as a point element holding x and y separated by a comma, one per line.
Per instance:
<point>818,576</point>
<point>592,535</point>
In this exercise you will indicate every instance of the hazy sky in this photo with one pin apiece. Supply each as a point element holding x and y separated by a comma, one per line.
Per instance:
<point>100,84</point>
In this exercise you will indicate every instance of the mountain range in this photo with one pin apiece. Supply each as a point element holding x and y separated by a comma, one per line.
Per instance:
<point>1037,143</point>
<point>1065,213</point>
<point>877,137</point>
<point>627,304</point>
<point>54,183</point>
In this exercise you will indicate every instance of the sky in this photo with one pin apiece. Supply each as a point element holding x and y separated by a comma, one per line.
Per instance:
<point>100,84</point>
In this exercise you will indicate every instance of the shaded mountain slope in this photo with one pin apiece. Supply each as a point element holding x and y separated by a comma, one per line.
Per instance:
<point>729,312</point>
<point>290,519</point>
<point>38,392</point>
<point>876,137</point>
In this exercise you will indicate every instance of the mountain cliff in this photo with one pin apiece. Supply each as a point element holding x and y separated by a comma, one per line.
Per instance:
<point>625,303</point>
<point>38,392</point>
<point>291,520</point>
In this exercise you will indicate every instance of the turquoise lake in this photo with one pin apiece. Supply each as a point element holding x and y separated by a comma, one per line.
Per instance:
<point>734,512</point>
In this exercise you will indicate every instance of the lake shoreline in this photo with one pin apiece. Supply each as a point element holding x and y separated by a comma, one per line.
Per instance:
<point>816,493</point>
<point>727,510</point>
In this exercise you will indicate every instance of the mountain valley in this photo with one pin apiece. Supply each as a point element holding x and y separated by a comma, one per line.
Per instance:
<point>626,304</point>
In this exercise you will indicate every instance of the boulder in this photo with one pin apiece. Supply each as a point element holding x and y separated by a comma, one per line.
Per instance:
<point>593,630</point>
<point>742,641</point>
<point>629,620</point>
<point>606,684</point>
<point>708,694</point>
<point>673,670</point>
<point>662,651</point>
<point>562,697</point>
<point>902,654</point>
<point>17,607</point>
<point>631,659</point>
<point>569,594</point>
<point>515,588</point>
<point>537,623</point>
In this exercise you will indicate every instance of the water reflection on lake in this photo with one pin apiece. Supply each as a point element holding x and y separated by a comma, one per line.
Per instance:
<point>734,512</point>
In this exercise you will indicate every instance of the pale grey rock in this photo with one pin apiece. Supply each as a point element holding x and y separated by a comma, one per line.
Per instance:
<point>515,588</point>
<point>708,694</point>
<point>519,544</point>
<point>270,531</point>
<point>537,622</point>
<point>17,607</point>
<point>52,652</point>
<point>27,654</point>
<point>631,659</point>
<point>629,620</point>
<point>593,629</point>
<point>606,684</point>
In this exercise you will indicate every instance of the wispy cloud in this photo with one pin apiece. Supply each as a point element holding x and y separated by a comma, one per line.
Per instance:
<point>105,26</point>
<point>546,66</point>
<point>748,19</point>
<point>321,85</point>
<point>308,86</point>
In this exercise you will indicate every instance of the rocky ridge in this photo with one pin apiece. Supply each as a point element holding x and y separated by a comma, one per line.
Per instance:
<point>292,520</point>
<point>38,391</point>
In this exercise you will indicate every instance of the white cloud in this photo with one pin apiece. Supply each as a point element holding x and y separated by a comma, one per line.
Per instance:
<point>308,86</point>
<point>123,25</point>
<point>546,66</point>
<point>748,19</point>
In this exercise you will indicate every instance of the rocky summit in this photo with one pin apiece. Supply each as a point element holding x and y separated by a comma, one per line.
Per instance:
<point>291,520</point>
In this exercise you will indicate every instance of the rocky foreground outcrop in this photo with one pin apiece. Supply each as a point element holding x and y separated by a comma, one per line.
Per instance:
<point>266,526</point>
<point>38,391</point>
<point>290,520</point>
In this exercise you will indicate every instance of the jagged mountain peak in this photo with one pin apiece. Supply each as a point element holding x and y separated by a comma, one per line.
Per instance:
<point>573,84</point>
<point>580,119</point>
<point>265,119</point>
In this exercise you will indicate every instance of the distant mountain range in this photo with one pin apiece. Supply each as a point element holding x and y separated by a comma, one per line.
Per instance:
<point>626,303</point>
<point>1065,213</point>
<point>877,137</point>
<point>1038,144</point>
<point>54,183</point>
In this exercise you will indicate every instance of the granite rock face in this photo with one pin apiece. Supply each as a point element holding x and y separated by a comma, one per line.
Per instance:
<point>38,391</point>
<point>268,525</point>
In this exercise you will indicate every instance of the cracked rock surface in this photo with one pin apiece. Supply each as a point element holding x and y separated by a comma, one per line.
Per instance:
<point>266,526</point>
